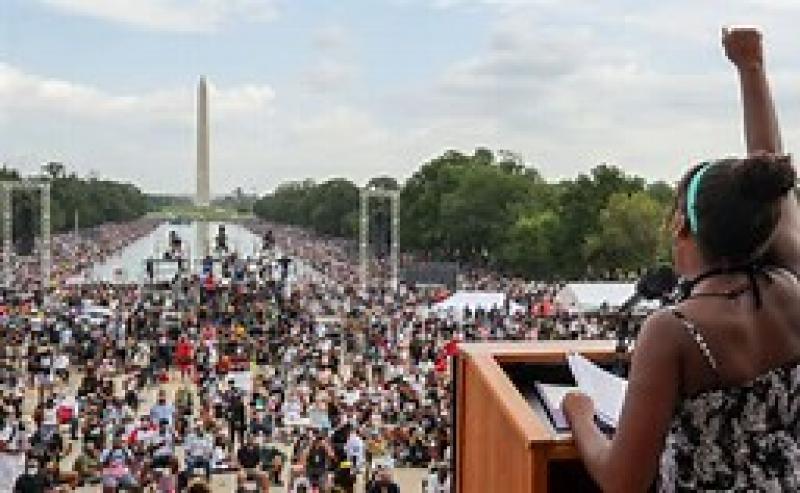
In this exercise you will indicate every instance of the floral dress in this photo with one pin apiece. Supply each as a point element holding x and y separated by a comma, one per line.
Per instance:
<point>744,438</point>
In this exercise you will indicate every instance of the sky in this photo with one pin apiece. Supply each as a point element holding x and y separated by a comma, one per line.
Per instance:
<point>361,88</point>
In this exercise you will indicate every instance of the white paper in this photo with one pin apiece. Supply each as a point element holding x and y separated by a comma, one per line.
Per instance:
<point>605,389</point>
<point>553,395</point>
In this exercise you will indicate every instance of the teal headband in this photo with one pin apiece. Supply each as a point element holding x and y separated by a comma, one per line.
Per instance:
<point>691,196</point>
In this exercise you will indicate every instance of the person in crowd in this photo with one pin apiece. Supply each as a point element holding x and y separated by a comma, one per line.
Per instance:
<point>237,422</point>
<point>132,395</point>
<point>319,461</point>
<point>344,478</point>
<point>249,459</point>
<point>47,445</point>
<point>184,353</point>
<point>355,450</point>
<point>60,479</point>
<point>272,461</point>
<point>438,480</point>
<point>199,487</point>
<point>87,465</point>
<point>49,421</point>
<point>261,422</point>
<point>116,461</point>
<point>199,449</point>
<point>33,479</point>
<point>163,411</point>
<point>383,482</point>
<point>12,448</point>
<point>163,444</point>
<point>183,404</point>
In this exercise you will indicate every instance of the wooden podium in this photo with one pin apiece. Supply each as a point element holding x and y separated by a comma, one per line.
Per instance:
<point>504,441</point>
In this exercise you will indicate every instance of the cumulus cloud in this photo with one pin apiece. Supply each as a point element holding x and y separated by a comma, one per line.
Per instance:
<point>22,92</point>
<point>330,74</point>
<point>447,4</point>
<point>567,83</point>
<point>332,37</point>
<point>171,15</point>
<point>333,67</point>
<point>518,60</point>
<point>333,138</point>
<point>573,85</point>
<point>147,138</point>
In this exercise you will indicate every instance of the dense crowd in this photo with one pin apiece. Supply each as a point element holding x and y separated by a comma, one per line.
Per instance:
<point>273,367</point>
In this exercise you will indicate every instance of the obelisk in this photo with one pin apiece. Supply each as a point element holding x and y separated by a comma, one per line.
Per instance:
<point>203,196</point>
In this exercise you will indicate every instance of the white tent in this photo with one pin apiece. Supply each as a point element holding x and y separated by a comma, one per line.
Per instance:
<point>580,297</point>
<point>460,300</point>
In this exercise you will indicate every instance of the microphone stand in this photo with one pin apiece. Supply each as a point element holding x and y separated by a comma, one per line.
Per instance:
<point>621,351</point>
<point>625,335</point>
<point>656,284</point>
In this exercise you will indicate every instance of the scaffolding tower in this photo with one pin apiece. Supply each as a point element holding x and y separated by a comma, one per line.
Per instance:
<point>7,189</point>
<point>363,241</point>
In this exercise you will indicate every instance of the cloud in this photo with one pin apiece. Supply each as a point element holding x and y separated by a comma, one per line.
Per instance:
<point>333,67</point>
<point>171,15</point>
<point>571,86</point>
<point>332,37</point>
<point>526,70</point>
<point>332,138</point>
<point>147,138</point>
<point>22,92</point>
<point>776,5</point>
<point>449,4</point>
<point>330,74</point>
<point>516,61</point>
<point>566,83</point>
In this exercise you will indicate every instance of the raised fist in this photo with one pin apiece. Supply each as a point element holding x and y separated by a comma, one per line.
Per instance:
<point>743,46</point>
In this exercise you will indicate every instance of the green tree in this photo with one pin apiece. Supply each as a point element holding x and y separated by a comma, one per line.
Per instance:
<point>478,211</point>
<point>629,235</point>
<point>421,201</point>
<point>492,207</point>
<point>580,204</point>
<point>331,203</point>
<point>458,206</point>
<point>529,245</point>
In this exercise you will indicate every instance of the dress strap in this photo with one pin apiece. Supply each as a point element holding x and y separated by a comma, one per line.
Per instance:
<point>698,338</point>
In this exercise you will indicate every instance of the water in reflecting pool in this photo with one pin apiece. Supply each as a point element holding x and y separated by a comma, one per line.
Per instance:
<point>128,265</point>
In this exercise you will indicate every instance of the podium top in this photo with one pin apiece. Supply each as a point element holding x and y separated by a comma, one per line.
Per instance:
<point>485,360</point>
<point>540,351</point>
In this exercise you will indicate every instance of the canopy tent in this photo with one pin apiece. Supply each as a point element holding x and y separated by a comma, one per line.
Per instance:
<point>579,297</point>
<point>461,300</point>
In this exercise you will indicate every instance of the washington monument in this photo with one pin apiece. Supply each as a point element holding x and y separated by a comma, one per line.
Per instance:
<point>203,196</point>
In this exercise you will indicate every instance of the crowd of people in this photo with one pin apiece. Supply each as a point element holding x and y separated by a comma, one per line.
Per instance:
<point>277,368</point>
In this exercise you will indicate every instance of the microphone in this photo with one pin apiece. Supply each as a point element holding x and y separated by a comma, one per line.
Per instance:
<point>656,284</point>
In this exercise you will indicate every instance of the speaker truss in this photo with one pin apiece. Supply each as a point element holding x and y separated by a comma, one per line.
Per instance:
<point>363,241</point>
<point>7,189</point>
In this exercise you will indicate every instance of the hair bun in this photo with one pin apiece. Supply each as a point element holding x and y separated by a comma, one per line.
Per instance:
<point>765,178</point>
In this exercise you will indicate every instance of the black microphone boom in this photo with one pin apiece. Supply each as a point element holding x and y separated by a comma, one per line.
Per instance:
<point>656,284</point>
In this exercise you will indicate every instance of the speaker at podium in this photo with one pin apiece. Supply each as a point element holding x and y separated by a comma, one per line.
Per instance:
<point>505,441</point>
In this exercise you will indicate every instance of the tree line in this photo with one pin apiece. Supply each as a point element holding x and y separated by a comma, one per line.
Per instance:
<point>96,201</point>
<point>491,209</point>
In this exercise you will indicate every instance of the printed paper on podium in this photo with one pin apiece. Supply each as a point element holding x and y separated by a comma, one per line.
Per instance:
<point>606,390</point>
